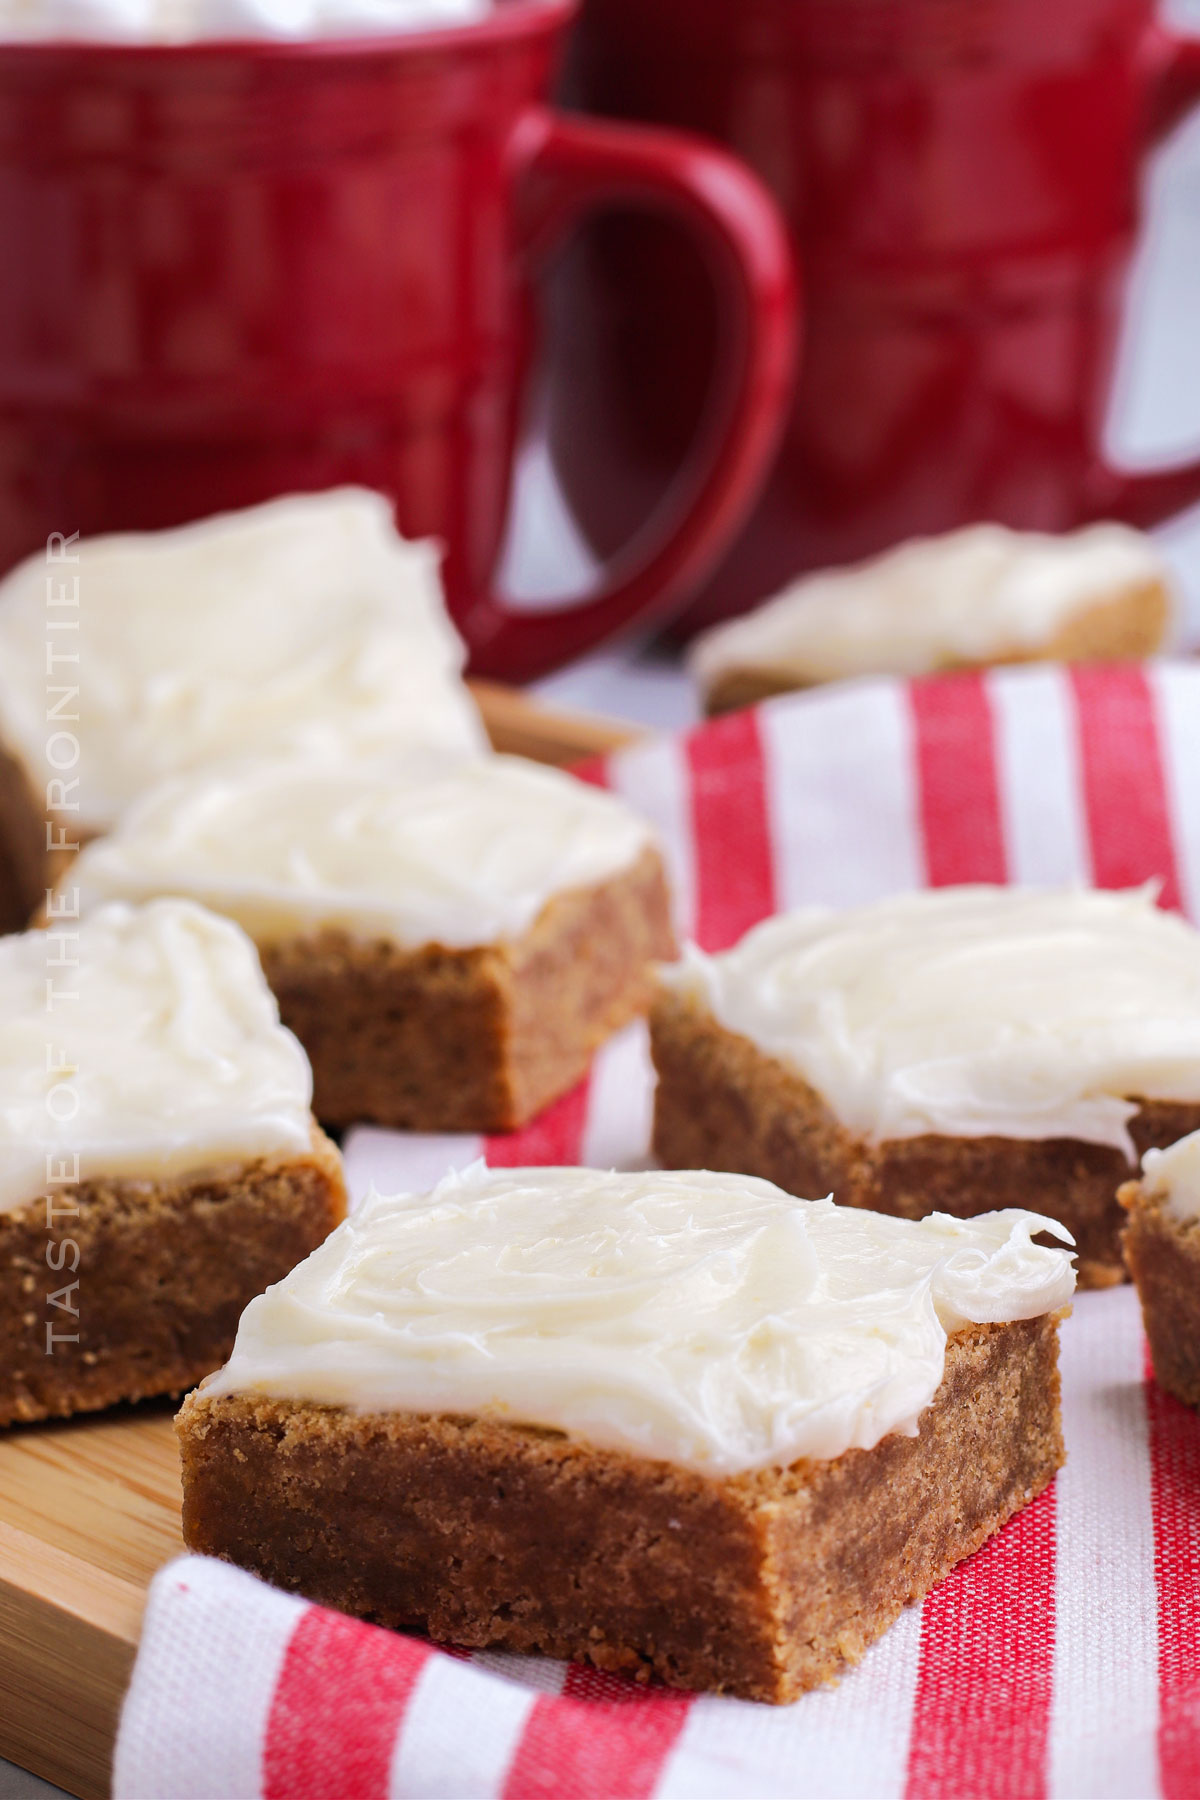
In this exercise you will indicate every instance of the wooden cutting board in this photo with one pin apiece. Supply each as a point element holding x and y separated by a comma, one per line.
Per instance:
<point>89,1509</point>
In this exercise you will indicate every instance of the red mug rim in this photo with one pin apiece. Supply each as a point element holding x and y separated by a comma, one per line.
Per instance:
<point>508,20</point>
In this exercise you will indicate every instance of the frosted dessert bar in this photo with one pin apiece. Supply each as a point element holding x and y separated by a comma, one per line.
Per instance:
<point>1162,1248</point>
<point>681,1425</point>
<point>973,597</point>
<point>159,1164</point>
<point>304,623</point>
<point>451,939</point>
<point>962,1048</point>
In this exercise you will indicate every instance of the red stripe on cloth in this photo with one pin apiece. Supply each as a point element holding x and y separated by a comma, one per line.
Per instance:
<point>603,1737</point>
<point>593,770</point>
<point>957,780</point>
<point>551,1140</point>
<point>735,883</point>
<point>1124,783</point>
<point>336,1709</point>
<point>982,1712</point>
<point>1175,1509</point>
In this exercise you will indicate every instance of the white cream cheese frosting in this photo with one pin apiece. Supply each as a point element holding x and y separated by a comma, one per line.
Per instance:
<point>1174,1176</point>
<point>707,1320</point>
<point>183,21</point>
<point>971,1011</point>
<point>304,623</point>
<point>145,1043</point>
<point>456,851</point>
<point>971,596</point>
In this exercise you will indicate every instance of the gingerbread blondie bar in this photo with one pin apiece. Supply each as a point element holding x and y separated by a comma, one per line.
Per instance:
<point>589,1447</point>
<point>306,622</point>
<point>971,598</point>
<point>159,1164</point>
<point>451,941</point>
<point>960,1049</point>
<point>1162,1248</point>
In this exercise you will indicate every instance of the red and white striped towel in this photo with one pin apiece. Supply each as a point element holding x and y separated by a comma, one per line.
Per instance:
<point>1064,1658</point>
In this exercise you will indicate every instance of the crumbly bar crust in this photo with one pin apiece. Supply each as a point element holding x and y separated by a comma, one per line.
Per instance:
<point>164,1272</point>
<point>1126,628</point>
<point>722,1103</point>
<point>1163,1254</point>
<point>481,1533</point>
<point>439,1039</point>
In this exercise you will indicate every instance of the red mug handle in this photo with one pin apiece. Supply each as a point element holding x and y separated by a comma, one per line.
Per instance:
<point>567,167</point>
<point>1172,72</point>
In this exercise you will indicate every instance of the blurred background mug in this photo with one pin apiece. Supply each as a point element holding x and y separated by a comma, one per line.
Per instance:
<point>961,181</point>
<point>233,270</point>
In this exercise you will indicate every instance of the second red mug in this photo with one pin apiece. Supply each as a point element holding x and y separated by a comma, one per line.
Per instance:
<point>962,183</point>
<point>233,270</point>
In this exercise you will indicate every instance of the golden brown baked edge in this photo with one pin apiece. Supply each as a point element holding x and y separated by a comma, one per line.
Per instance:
<point>439,1039</point>
<point>1163,1254</point>
<point>480,1533</point>
<point>24,859</point>
<point>164,1270</point>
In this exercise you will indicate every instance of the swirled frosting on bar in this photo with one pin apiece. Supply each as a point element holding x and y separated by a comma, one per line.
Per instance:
<point>304,623</point>
<point>971,1011</point>
<point>706,1320</point>
<point>458,851</point>
<point>1174,1174</point>
<point>145,1043</point>
<point>971,596</point>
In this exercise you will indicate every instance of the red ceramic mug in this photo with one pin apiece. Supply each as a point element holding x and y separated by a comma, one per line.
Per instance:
<point>961,180</point>
<point>232,270</point>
